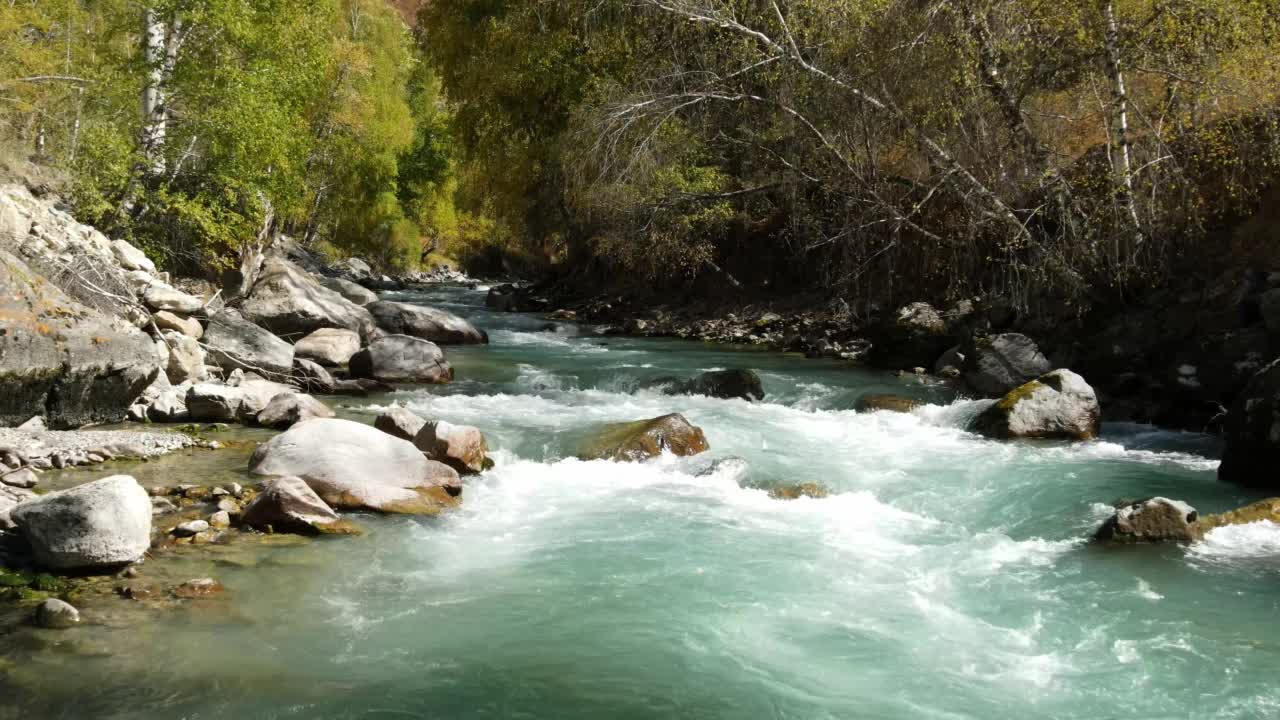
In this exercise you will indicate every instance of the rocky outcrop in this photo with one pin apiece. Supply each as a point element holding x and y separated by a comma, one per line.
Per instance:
<point>1262,511</point>
<point>461,447</point>
<point>235,343</point>
<point>289,409</point>
<point>872,402</point>
<point>645,439</point>
<point>1251,447</point>
<point>354,466</point>
<point>400,358</point>
<point>725,384</point>
<point>188,326</point>
<point>287,300</point>
<point>996,364</point>
<point>332,347</point>
<point>97,525</point>
<point>63,360</point>
<point>288,504</point>
<point>438,326</point>
<point>1059,404</point>
<point>914,337</point>
<point>349,290</point>
<point>240,400</point>
<point>1150,521</point>
<point>400,423</point>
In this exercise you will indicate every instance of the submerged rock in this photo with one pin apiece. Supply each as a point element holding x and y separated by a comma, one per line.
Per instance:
<point>400,358</point>
<point>288,504</point>
<point>198,588</point>
<point>799,490</point>
<point>893,403</point>
<point>1251,450</point>
<point>99,524</point>
<point>461,447</point>
<point>235,343</point>
<point>328,346</point>
<point>1059,404</point>
<point>55,614</point>
<point>428,323</point>
<point>76,365</point>
<point>1154,520</point>
<point>354,466</point>
<point>645,439</point>
<point>725,384</point>
<point>996,364</point>
<point>400,423</point>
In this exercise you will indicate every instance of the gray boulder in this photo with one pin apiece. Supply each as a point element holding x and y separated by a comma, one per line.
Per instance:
<point>1059,404</point>
<point>312,378</point>
<point>726,384</point>
<point>461,447</point>
<point>131,258</point>
<point>190,327</point>
<point>354,466</point>
<point>428,323</point>
<point>354,269</point>
<point>400,423</point>
<point>288,504</point>
<point>996,364</point>
<point>186,358</point>
<point>400,358</point>
<point>234,342</point>
<point>328,346</point>
<point>100,524</point>
<point>239,402</point>
<point>287,300</point>
<point>291,408</point>
<point>1150,521</point>
<point>73,363</point>
<point>159,296</point>
<point>349,290</point>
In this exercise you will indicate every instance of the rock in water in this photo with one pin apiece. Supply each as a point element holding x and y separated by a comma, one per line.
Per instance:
<point>645,439</point>
<point>55,614</point>
<point>354,466</point>
<point>194,527</point>
<point>235,343</point>
<point>461,447</point>
<point>1263,510</point>
<point>99,524</point>
<point>288,504</point>
<point>438,326</point>
<point>1059,404</point>
<point>725,384</point>
<point>1251,450</point>
<point>1155,520</point>
<point>893,403</point>
<point>76,364</point>
<point>328,346</point>
<point>287,300</point>
<point>400,423</point>
<point>288,409</point>
<point>400,358</point>
<point>997,364</point>
<point>349,290</point>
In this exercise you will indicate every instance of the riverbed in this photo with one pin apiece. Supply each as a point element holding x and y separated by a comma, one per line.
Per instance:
<point>946,576</point>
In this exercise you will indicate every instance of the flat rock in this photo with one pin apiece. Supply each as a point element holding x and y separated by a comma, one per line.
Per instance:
<point>438,326</point>
<point>159,296</point>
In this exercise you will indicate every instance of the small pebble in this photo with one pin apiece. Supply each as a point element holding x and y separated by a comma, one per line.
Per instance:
<point>220,519</point>
<point>188,529</point>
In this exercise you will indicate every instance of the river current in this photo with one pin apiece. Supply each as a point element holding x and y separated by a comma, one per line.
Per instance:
<point>946,576</point>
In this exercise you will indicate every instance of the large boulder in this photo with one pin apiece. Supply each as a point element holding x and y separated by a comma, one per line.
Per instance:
<point>400,423</point>
<point>328,346</point>
<point>1262,511</point>
<point>287,300</point>
<point>235,343</point>
<point>290,408</point>
<point>313,378</point>
<point>67,361</point>
<point>1251,447</point>
<point>400,358</point>
<point>349,290</point>
<point>288,504</point>
<point>100,524</point>
<point>186,358</point>
<point>1153,520</point>
<point>239,402</point>
<point>1058,404</point>
<point>354,269</point>
<point>161,297</point>
<point>428,323</point>
<point>188,326</point>
<point>913,337</point>
<point>996,364</point>
<point>461,447</point>
<point>726,384</point>
<point>354,466</point>
<point>645,439</point>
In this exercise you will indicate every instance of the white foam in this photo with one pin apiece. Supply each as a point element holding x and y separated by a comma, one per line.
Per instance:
<point>1251,540</point>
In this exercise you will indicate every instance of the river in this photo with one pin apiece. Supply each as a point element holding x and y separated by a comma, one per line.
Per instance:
<point>945,577</point>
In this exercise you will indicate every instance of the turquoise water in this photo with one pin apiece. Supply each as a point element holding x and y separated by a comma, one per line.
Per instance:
<point>945,577</point>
